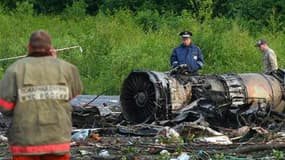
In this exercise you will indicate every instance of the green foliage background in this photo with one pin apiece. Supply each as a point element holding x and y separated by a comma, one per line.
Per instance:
<point>117,41</point>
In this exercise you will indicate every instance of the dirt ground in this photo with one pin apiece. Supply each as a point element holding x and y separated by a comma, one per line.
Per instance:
<point>107,143</point>
<point>146,148</point>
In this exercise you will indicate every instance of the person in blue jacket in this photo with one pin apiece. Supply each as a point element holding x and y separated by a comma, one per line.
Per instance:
<point>187,54</point>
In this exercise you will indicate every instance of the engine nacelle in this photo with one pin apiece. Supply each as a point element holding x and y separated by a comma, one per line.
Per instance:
<point>147,95</point>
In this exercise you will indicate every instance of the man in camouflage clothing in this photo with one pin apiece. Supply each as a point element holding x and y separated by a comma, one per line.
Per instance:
<point>269,56</point>
<point>35,91</point>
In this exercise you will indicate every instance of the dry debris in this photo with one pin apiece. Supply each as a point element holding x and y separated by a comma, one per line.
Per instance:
<point>103,134</point>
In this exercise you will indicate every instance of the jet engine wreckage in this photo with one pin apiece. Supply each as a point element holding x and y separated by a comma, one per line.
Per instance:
<point>226,100</point>
<point>159,113</point>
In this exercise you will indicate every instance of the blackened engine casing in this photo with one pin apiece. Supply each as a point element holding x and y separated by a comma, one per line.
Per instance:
<point>148,95</point>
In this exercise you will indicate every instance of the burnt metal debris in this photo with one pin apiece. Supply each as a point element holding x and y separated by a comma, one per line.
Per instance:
<point>89,112</point>
<point>226,100</point>
<point>163,115</point>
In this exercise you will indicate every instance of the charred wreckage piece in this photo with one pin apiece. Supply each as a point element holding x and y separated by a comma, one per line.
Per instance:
<point>232,100</point>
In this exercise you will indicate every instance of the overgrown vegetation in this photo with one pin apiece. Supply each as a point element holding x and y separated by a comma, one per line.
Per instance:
<point>116,42</point>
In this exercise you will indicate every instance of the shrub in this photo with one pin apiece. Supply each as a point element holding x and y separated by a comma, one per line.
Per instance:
<point>77,9</point>
<point>24,8</point>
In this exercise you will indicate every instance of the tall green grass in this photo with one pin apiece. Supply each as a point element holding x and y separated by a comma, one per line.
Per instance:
<point>116,44</point>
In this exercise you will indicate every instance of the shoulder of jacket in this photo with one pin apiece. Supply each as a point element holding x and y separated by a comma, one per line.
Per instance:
<point>176,49</point>
<point>195,46</point>
<point>18,64</point>
<point>179,47</point>
<point>65,63</point>
<point>271,50</point>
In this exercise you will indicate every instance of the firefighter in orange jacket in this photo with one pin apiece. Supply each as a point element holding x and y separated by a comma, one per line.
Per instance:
<point>36,91</point>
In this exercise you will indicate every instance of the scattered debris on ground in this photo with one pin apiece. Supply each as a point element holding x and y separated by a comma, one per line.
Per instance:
<point>100,132</point>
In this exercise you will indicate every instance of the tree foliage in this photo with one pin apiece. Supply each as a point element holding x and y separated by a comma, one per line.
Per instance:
<point>123,35</point>
<point>115,44</point>
<point>260,11</point>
